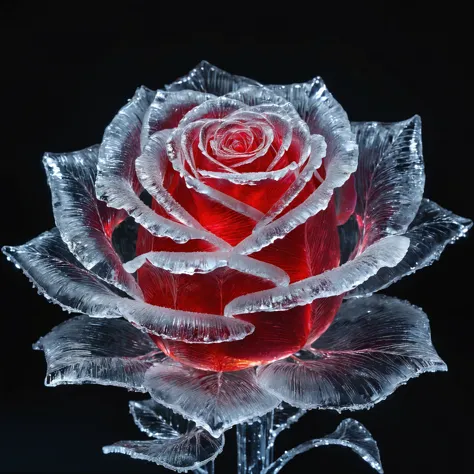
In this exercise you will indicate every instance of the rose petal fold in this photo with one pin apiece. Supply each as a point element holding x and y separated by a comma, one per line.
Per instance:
<point>373,346</point>
<point>85,223</point>
<point>102,351</point>
<point>387,252</point>
<point>430,232</point>
<point>215,401</point>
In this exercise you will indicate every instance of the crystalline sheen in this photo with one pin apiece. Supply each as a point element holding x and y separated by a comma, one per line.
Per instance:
<point>284,417</point>
<point>85,223</point>
<point>178,444</point>
<point>59,276</point>
<point>389,179</point>
<point>373,346</point>
<point>350,434</point>
<point>430,232</point>
<point>101,351</point>
<point>213,400</point>
<point>205,262</point>
<point>386,252</point>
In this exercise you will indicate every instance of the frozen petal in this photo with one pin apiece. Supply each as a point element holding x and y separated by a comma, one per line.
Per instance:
<point>346,199</point>
<point>350,434</point>
<point>387,252</point>
<point>373,346</point>
<point>430,232</point>
<point>215,401</point>
<point>205,262</point>
<point>208,78</point>
<point>85,223</point>
<point>50,266</point>
<point>284,417</point>
<point>101,351</point>
<point>390,177</point>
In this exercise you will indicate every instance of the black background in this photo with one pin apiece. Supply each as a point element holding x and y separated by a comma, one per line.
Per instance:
<point>66,73</point>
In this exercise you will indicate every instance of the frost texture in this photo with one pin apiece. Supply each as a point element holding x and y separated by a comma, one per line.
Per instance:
<point>205,262</point>
<point>178,446</point>
<point>373,346</point>
<point>430,232</point>
<point>390,177</point>
<point>350,434</point>
<point>215,401</point>
<point>56,273</point>
<point>85,223</point>
<point>387,252</point>
<point>101,351</point>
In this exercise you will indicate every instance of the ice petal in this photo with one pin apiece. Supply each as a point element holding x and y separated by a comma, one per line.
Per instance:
<point>101,351</point>
<point>47,262</point>
<point>208,78</point>
<point>215,401</point>
<point>373,346</point>
<point>205,262</point>
<point>85,223</point>
<point>387,252</point>
<point>430,232</point>
<point>390,177</point>
<point>350,434</point>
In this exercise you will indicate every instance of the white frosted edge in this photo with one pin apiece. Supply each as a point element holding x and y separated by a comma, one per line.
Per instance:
<point>318,152</point>
<point>386,252</point>
<point>205,262</point>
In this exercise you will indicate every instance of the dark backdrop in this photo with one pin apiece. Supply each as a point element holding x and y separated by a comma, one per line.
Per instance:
<point>65,75</point>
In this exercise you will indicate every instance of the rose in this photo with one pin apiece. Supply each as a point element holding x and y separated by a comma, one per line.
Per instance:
<point>259,225</point>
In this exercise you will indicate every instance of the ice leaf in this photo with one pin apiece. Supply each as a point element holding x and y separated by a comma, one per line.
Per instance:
<point>85,223</point>
<point>284,416</point>
<point>390,177</point>
<point>350,434</point>
<point>430,232</point>
<point>215,401</point>
<point>373,346</point>
<point>101,351</point>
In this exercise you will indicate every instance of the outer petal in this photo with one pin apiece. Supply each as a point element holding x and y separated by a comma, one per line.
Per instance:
<point>85,223</point>
<point>214,400</point>
<point>102,351</point>
<point>179,445</point>
<point>208,78</point>
<point>374,345</point>
<point>60,277</point>
<point>390,177</point>
<point>430,232</point>
<point>387,252</point>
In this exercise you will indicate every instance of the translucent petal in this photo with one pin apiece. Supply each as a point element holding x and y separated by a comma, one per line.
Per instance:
<point>390,177</point>
<point>373,346</point>
<point>167,109</point>
<point>284,417</point>
<point>215,401</point>
<point>211,109</point>
<point>346,199</point>
<point>189,451</point>
<point>208,78</point>
<point>117,184</point>
<point>50,266</point>
<point>350,434</point>
<point>101,351</point>
<point>387,252</point>
<point>205,262</point>
<point>85,223</point>
<point>430,232</point>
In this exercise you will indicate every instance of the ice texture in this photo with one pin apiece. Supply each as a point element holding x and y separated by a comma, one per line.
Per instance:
<point>178,444</point>
<point>205,262</point>
<point>373,346</point>
<point>85,223</point>
<point>101,351</point>
<point>57,274</point>
<point>215,401</point>
<point>390,178</point>
<point>430,232</point>
<point>284,416</point>
<point>350,434</point>
<point>387,252</point>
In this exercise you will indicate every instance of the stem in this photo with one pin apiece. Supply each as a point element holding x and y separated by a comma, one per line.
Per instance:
<point>252,441</point>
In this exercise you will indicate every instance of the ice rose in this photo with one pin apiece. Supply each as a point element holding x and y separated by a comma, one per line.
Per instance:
<point>226,221</point>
